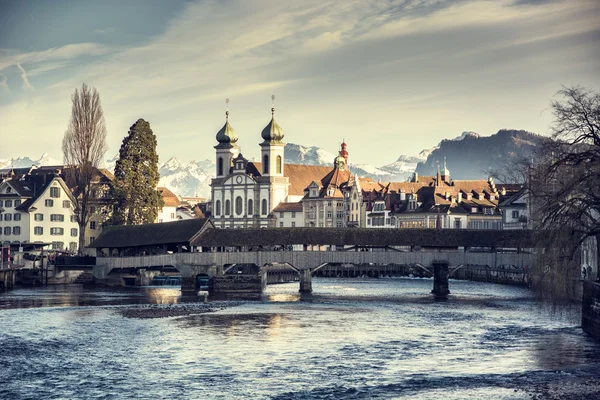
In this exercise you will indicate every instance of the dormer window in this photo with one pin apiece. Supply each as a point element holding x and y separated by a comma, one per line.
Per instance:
<point>473,209</point>
<point>9,190</point>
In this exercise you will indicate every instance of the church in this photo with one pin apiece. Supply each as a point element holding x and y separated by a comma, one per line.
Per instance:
<point>245,193</point>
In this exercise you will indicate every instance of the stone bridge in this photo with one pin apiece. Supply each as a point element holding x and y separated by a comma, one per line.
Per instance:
<point>212,264</point>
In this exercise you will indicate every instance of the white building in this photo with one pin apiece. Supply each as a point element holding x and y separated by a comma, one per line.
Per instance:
<point>171,202</point>
<point>245,193</point>
<point>38,208</point>
<point>289,215</point>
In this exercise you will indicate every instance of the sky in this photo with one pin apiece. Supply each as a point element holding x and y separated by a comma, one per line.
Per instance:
<point>390,77</point>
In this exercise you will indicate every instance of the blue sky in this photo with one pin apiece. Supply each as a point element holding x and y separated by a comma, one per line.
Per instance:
<point>391,77</point>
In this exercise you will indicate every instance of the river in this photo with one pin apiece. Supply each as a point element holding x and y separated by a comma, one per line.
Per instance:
<point>352,338</point>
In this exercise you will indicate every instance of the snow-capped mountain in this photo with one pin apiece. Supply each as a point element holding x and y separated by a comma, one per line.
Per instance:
<point>187,178</point>
<point>404,167</point>
<point>298,154</point>
<point>24,162</point>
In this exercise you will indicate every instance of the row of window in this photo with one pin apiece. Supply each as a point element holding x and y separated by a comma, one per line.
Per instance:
<point>281,214</point>
<point>281,224</point>
<point>9,203</point>
<point>16,230</point>
<point>10,217</point>
<point>50,203</point>
<point>61,246</point>
<point>55,231</point>
<point>239,207</point>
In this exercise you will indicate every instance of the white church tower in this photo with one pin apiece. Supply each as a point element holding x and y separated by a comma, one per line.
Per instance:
<point>227,149</point>
<point>272,159</point>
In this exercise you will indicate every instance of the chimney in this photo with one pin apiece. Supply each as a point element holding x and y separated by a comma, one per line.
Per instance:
<point>402,195</point>
<point>459,200</point>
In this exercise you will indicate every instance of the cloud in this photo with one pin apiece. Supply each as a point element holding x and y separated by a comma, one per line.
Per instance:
<point>4,83</point>
<point>336,67</point>
<point>26,83</point>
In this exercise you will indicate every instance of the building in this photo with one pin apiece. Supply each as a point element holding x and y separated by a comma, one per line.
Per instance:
<point>516,211</point>
<point>245,193</point>
<point>171,203</point>
<point>38,208</point>
<point>289,215</point>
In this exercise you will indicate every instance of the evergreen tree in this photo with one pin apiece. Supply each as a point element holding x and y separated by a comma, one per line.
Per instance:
<point>135,196</point>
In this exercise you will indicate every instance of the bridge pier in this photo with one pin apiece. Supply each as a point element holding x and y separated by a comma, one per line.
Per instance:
<point>440,280</point>
<point>306,281</point>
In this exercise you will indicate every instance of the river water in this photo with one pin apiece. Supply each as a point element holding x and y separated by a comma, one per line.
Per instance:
<point>352,338</point>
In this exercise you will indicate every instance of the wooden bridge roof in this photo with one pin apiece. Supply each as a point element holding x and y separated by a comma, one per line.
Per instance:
<point>365,237</point>
<point>176,232</point>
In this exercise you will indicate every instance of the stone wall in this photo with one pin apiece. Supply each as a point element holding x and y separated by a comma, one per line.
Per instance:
<point>590,315</point>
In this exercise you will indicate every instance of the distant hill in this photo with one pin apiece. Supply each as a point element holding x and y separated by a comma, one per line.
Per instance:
<point>473,156</point>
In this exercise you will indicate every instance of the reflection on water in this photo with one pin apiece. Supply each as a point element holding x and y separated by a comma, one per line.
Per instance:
<point>354,338</point>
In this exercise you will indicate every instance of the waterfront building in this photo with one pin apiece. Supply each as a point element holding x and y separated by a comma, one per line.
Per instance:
<point>289,215</point>
<point>38,208</point>
<point>34,178</point>
<point>244,193</point>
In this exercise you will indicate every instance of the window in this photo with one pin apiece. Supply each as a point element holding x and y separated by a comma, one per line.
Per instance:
<point>57,245</point>
<point>328,214</point>
<point>293,214</point>
<point>74,232</point>
<point>57,217</point>
<point>8,217</point>
<point>16,230</point>
<point>8,203</point>
<point>38,217</point>
<point>218,207</point>
<point>172,215</point>
<point>72,247</point>
<point>239,205</point>
<point>38,230</point>
<point>57,231</point>
<point>67,204</point>
<point>457,223</point>
<point>7,230</point>
<point>264,207</point>
<point>515,214</point>
<point>368,221</point>
<point>1,203</point>
<point>473,209</point>
<point>281,224</point>
<point>17,203</point>
<point>92,224</point>
<point>279,164</point>
<point>293,224</point>
<point>250,207</point>
<point>265,164</point>
<point>73,218</point>
<point>227,207</point>
<point>49,203</point>
<point>55,192</point>
<point>281,214</point>
<point>220,166</point>
<point>92,238</point>
<point>17,217</point>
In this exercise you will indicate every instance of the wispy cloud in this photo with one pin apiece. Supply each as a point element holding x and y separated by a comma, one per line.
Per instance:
<point>4,83</point>
<point>26,83</point>
<point>357,67</point>
<point>110,29</point>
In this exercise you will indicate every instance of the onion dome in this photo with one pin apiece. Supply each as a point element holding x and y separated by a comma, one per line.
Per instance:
<point>227,135</point>
<point>344,151</point>
<point>273,133</point>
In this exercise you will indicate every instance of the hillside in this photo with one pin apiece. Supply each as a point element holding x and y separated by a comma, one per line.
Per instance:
<point>473,156</point>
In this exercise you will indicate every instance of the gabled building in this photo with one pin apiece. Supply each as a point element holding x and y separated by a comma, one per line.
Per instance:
<point>516,211</point>
<point>38,208</point>
<point>171,202</point>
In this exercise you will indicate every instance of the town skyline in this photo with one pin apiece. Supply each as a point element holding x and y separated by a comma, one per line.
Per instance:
<point>390,80</point>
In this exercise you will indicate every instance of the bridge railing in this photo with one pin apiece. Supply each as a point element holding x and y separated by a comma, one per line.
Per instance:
<point>312,259</point>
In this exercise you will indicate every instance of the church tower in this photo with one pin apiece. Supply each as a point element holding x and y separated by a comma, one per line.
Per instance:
<point>272,148</point>
<point>227,149</point>
<point>272,167</point>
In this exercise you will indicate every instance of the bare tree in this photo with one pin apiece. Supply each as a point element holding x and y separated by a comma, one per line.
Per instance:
<point>564,186</point>
<point>84,145</point>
